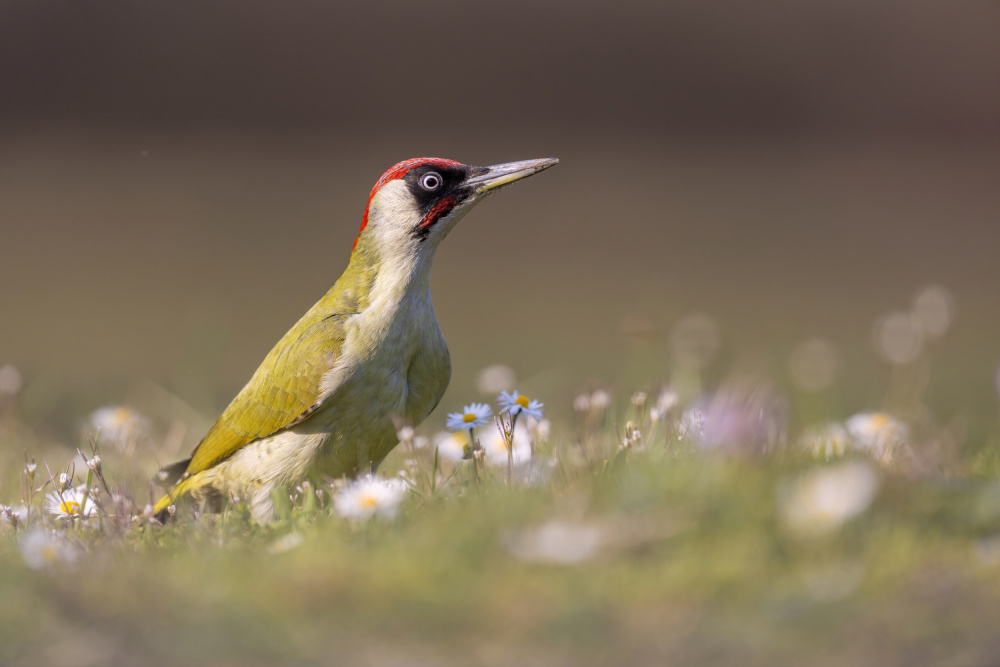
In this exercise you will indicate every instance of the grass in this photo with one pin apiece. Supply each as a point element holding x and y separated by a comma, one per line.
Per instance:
<point>668,550</point>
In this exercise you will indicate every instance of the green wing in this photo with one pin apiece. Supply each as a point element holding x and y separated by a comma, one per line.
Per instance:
<point>283,391</point>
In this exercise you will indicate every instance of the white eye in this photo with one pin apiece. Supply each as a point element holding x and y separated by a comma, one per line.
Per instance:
<point>430,181</point>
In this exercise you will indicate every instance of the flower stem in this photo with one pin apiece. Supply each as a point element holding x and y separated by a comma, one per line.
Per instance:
<point>510,447</point>
<point>472,450</point>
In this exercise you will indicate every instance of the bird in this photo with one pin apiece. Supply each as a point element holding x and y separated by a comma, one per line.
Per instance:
<point>368,356</point>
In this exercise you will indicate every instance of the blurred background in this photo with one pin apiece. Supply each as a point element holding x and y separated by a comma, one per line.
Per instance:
<point>180,181</point>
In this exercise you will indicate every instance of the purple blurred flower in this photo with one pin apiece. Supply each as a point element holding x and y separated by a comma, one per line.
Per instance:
<point>744,415</point>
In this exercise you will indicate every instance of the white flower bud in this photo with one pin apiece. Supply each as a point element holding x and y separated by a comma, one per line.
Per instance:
<point>405,435</point>
<point>600,399</point>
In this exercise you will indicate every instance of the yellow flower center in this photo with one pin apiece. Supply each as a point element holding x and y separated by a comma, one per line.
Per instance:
<point>880,421</point>
<point>522,401</point>
<point>368,502</point>
<point>468,418</point>
<point>69,507</point>
<point>50,554</point>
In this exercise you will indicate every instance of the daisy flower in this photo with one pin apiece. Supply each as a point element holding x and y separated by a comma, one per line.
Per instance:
<point>821,501</point>
<point>285,543</point>
<point>120,426</point>
<point>472,416</point>
<point>879,435</point>
<point>42,549</point>
<point>496,449</point>
<point>369,496</point>
<point>517,403</point>
<point>70,503</point>
<point>556,542</point>
<point>451,446</point>
<point>540,431</point>
<point>600,399</point>
<point>667,399</point>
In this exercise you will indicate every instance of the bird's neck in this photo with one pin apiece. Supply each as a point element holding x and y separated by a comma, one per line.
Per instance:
<point>384,285</point>
<point>403,281</point>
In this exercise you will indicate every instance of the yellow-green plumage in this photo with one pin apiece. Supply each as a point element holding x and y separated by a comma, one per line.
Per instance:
<point>287,384</point>
<point>327,398</point>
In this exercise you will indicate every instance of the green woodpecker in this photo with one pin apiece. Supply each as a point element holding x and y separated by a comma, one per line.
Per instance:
<point>369,355</point>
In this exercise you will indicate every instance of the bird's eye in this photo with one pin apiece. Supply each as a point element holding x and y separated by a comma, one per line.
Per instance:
<point>430,181</point>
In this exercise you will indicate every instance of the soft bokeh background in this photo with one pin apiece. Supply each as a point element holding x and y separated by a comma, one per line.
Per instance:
<point>179,182</point>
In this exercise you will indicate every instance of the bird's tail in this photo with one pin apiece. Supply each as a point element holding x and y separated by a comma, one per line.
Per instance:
<point>160,510</point>
<point>172,477</point>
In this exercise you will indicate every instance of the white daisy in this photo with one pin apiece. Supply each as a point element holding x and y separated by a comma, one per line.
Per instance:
<point>517,403</point>
<point>879,435</point>
<point>451,445</point>
<point>819,502</point>
<point>556,542</point>
<point>70,503</point>
<point>472,416</point>
<point>285,543</point>
<point>42,549</point>
<point>496,449</point>
<point>600,399</point>
<point>667,400</point>
<point>540,430</point>
<point>405,435</point>
<point>119,426</point>
<point>369,496</point>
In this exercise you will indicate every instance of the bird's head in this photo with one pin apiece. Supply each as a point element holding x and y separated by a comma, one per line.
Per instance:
<point>417,202</point>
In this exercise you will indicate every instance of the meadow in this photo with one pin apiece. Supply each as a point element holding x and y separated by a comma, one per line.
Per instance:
<point>753,311</point>
<point>712,517</point>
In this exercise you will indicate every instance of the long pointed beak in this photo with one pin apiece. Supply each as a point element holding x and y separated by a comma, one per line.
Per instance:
<point>493,177</point>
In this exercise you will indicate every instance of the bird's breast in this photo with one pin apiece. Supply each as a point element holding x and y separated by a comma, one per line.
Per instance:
<point>396,366</point>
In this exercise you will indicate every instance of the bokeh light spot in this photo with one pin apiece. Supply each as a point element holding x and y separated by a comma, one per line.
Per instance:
<point>813,365</point>
<point>933,310</point>
<point>898,338</point>
<point>495,379</point>
<point>694,341</point>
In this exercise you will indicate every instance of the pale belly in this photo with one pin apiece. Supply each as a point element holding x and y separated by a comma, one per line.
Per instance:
<point>349,435</point>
